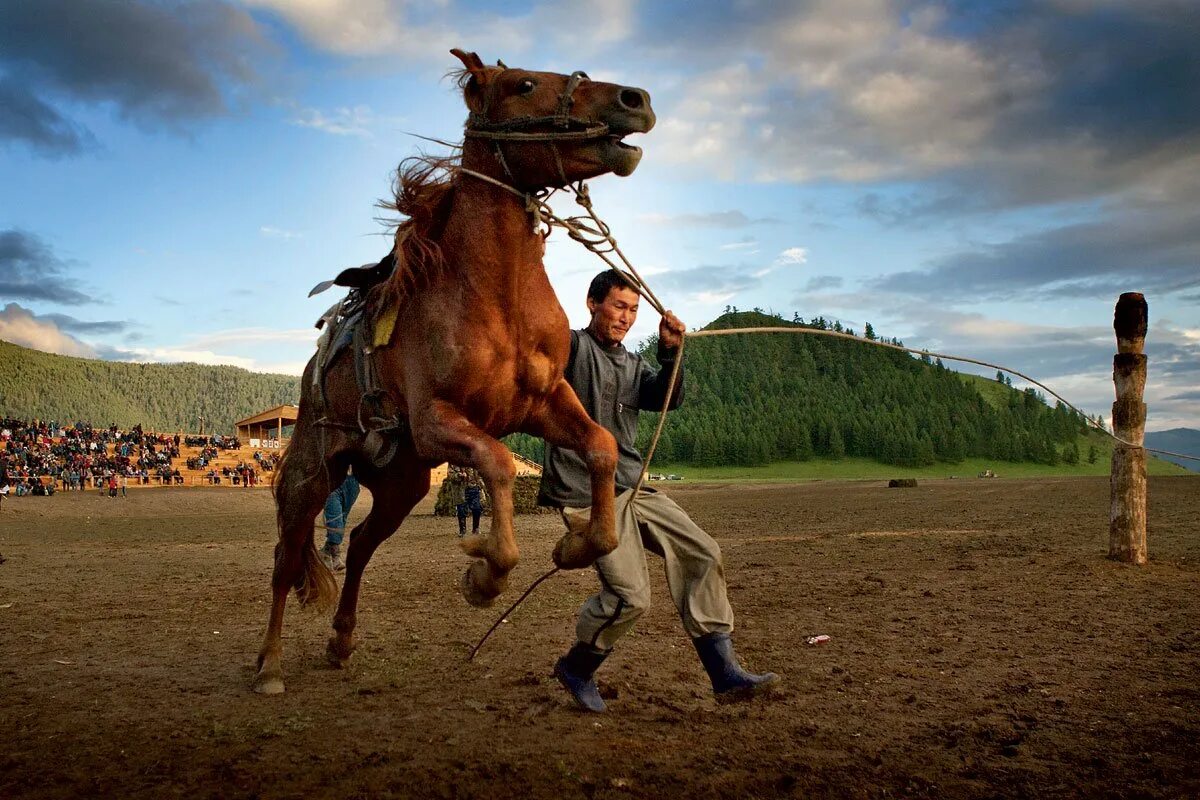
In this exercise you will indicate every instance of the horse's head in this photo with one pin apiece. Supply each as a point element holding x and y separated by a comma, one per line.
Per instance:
<point>551,129</point>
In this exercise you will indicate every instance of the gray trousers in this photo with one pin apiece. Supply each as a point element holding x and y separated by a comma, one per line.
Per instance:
<point>692,559</point>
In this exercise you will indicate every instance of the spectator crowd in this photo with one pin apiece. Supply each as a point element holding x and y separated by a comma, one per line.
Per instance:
<point>41,457</point>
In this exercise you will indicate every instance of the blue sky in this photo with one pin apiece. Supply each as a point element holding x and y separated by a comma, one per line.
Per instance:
<point>975,178</point>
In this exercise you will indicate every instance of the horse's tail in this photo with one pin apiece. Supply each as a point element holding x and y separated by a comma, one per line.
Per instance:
<point>315,585</point>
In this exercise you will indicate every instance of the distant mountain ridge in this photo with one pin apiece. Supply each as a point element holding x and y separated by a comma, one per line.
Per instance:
<point>1177,440</point>
<point>161,397</point>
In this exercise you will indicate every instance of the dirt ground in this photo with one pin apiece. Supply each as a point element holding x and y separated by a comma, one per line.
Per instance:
<point>981,646</point>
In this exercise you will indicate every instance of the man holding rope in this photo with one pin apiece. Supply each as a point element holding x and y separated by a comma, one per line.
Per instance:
<point>613,385</point>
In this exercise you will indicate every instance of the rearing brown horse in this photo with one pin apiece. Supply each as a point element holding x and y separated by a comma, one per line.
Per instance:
<point>478,350</point>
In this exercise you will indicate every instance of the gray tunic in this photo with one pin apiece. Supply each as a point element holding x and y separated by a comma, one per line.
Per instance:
<point>613,384</point>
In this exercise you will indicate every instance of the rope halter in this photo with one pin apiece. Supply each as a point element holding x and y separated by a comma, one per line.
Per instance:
<point>518,129</point>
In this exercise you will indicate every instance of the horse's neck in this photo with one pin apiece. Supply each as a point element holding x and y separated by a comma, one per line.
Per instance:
<point>489,237</point>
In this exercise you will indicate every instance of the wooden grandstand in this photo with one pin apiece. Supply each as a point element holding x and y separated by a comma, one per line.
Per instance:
<point>274,420</point>
<point>257,430</point>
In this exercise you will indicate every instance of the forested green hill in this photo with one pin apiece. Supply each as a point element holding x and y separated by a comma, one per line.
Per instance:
<point>759,398</point>
<point>750,400</point>
<point>162,397</point>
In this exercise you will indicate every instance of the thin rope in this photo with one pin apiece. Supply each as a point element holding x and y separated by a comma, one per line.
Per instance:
<point>511,608</point>
<point>577,232</point>
<point>662,417</point>
<point>598,239</point>
<point>580,232</point>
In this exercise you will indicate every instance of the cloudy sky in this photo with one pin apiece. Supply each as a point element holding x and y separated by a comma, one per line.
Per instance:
<point>978,178</point>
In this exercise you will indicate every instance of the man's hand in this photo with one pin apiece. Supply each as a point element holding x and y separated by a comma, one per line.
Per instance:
<point>670,332</point>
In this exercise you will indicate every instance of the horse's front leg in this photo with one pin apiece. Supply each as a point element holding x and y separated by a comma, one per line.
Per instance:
<point>441,433</point>
<point>563,422</point>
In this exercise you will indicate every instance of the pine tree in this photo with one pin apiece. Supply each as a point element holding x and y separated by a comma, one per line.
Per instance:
<point>705,454</point>
<point>837,447</point>
<point>923,453</point>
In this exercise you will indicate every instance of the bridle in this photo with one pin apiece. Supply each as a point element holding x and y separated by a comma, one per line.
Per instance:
<point>518,129</point>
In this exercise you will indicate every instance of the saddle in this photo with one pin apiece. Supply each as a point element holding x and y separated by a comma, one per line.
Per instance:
<point>360,278</point>
<point>345,325</point>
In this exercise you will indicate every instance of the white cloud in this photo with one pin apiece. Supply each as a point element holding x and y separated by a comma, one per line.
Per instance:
<point>711,120</point>
<point>254,337</point>
<point>713,298</point>
<point>354,121</point>
<point>560,20</point>
<point>347,27</point>
<point>19,326</point>
<point>711,219</point>
<point>402,30</point>
<point>190,354</point>
<point>871,95</point>
<point>793,255</point>
<point>279,233</point>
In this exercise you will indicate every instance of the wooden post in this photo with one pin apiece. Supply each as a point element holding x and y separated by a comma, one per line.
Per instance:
<point>1127,514</point>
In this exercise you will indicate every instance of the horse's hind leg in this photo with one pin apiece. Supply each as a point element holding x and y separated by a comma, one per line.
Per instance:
<point>302,484</point>
<point>394,492</point>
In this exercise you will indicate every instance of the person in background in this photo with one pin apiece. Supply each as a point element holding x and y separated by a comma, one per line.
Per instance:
<point>337,514</point>
<point>470,499</point>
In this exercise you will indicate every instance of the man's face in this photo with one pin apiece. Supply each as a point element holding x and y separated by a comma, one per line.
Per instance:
<point>613,318</point>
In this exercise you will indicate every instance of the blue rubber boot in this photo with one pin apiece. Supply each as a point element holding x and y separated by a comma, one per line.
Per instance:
<point>731,683</point>
<point>575,670</point>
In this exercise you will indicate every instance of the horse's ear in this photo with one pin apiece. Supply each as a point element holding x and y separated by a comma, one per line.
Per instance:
<point>480,75</point>
<point>471,61</point>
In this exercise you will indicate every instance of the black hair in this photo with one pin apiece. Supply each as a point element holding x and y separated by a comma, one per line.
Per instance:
<point>604,282</point>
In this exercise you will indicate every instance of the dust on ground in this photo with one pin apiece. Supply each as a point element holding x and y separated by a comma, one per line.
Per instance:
<point>981,646</point>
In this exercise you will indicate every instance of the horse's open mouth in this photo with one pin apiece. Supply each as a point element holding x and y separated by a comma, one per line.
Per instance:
<point>619,141</point>
<point>617,155</point>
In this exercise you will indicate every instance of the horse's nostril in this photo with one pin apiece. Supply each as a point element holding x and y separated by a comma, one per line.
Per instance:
<point>632,98</point>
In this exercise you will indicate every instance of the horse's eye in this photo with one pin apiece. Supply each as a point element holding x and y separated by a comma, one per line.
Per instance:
<point>526,86</point>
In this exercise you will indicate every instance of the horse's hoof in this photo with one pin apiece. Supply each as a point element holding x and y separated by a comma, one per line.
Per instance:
<point>573,552</point>
<point>472,592</point>
<point>268,684</point>
<point>337,655</point>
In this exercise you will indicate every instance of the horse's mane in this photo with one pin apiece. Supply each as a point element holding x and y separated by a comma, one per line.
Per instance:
<point>421,192</point>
